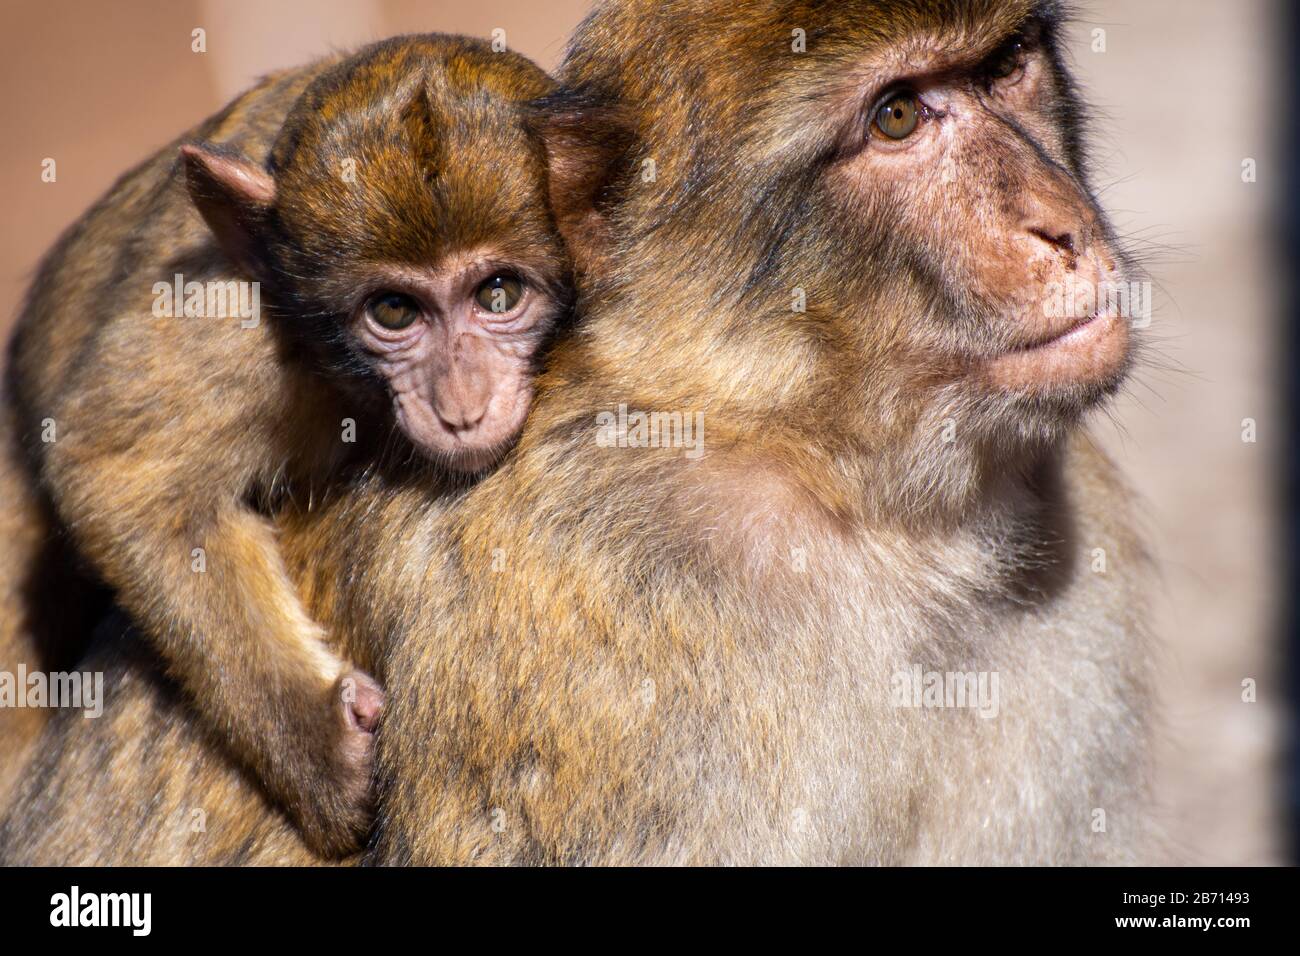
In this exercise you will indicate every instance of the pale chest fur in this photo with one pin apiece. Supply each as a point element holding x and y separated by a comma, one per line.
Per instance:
<point>905,705</point>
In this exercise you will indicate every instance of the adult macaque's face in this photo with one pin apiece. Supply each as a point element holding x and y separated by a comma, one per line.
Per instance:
<point>955,170</point>
<point>978,276</point>
<point>911,173</point>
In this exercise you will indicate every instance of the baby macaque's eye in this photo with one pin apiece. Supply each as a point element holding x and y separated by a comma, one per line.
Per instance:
<point>897,116</point>
<point>394,311</point>
<point>500,294</point>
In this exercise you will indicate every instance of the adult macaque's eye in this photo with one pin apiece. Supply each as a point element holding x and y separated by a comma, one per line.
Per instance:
<point>500,294</point>
<point>1005,61</point>
<point>394,311</point>
<point>897,116</point>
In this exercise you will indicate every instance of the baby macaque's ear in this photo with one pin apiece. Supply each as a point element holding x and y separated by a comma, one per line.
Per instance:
<point>587,148</point>
<point>233,195</point>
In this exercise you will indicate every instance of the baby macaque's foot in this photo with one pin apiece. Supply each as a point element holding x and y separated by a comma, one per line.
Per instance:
<point>363,700</point>
<point>335,814</point>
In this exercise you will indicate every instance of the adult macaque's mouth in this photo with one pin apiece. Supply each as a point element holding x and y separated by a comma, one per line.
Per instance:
<point>1087,352</point>
<point>1060,336</point>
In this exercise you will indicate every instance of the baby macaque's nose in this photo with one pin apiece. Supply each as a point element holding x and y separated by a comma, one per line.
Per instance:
<point>462,398</point>
<point>460,415</point>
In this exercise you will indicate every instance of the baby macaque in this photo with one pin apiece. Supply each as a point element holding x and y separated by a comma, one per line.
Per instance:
<point>353,261</point>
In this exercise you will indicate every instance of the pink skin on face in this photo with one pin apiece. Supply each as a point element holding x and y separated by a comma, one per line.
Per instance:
<point>460,374</point>
<point>1090,350</point>
<point>984,166</point>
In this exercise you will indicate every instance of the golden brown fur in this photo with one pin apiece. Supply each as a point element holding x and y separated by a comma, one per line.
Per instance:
<point>634,668</point>
<point>25,537</point>
<point>626,655</point>
<point>174,435</point>
<point>978,791</point>
<point>143,784</point>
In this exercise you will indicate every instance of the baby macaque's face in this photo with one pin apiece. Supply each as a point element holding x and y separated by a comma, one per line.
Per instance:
<point>405,205</point>
<point>437,254</point>
<point>456,343</point>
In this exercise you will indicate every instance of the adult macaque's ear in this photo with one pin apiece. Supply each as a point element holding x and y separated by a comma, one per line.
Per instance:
<point>233,195</point>
<point>588,145</point>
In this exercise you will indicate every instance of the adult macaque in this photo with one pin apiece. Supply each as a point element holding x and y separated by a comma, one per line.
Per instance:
<point>392,208</point>
<point>647,657</point>
<point>838,252</point>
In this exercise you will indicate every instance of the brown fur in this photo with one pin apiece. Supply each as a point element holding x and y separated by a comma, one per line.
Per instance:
<point>175,434</point>
<point>642,675</point>
<point>609,655</point>
<point>144,784</point>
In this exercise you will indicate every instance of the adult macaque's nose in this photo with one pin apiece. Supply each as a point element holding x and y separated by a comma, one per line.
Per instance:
<point>1058,215</point>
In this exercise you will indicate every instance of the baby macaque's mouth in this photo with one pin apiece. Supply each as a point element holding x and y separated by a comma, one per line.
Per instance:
<point>470,458</point>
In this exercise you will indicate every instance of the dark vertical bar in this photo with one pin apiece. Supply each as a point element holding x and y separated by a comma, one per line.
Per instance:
<point>1289,72</point>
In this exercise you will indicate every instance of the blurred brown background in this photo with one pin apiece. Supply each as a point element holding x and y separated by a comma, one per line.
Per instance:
<point>1184,90</point>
